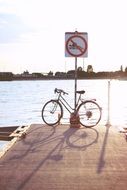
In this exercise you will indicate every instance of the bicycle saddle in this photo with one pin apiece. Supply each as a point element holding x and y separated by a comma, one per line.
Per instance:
<point>80,91</point>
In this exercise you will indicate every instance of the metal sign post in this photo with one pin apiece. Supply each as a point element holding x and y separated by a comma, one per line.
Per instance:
<point>75,98</point>
<point>76,46</point>
<point>108,124</point>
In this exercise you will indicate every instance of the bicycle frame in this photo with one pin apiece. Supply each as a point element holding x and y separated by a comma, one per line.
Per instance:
<point>62,100</point>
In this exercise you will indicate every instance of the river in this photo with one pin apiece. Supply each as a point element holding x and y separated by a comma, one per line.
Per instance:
<point>21,102</point>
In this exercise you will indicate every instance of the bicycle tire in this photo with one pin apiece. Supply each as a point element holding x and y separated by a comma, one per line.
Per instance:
<point>89,113</point>
<point>52,112</point>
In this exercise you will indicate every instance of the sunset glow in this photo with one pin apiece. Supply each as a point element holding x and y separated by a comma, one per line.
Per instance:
<point>32,34</point>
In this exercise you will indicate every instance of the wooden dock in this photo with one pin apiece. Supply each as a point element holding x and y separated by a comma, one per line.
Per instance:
<point>64,158</point>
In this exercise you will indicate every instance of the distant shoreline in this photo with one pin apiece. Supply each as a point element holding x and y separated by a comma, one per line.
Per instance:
<point>70,75</point>
<point>45,79</point>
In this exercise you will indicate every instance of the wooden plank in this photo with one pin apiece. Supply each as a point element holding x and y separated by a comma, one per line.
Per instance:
<point>8,129</point>
<point>5,137</point>
<point>5,132</point>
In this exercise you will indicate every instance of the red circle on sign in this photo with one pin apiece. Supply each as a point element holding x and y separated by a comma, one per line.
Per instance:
<point>81,50</point>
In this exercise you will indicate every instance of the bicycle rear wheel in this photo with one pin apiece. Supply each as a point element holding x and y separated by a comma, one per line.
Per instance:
<point>89,113</point>
<point>52,112</point>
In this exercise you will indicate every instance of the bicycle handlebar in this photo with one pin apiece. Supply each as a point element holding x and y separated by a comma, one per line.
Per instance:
<point>60,91</point>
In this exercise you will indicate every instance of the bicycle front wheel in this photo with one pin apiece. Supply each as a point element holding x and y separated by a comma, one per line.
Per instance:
<point>89,113</point>
<point>52,112</point>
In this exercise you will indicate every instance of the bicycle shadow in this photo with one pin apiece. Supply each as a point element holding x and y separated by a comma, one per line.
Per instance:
<point>72,138</point>
<point>59,143</point>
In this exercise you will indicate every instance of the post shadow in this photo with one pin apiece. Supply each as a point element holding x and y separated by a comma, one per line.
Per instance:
<point>102,162</point>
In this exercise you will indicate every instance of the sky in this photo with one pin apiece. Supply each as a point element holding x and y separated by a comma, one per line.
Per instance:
<point>32,34</point>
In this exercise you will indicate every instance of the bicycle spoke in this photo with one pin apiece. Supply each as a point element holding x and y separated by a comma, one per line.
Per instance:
<point>89,113</point>
<point>52,112</point>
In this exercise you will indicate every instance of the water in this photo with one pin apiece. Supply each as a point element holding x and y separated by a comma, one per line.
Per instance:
<point>21,101</point>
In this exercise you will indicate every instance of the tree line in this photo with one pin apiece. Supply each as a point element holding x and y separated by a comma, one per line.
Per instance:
<point>81,74</point>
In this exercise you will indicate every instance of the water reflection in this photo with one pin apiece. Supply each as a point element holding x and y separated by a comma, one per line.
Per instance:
<point>118,103</point>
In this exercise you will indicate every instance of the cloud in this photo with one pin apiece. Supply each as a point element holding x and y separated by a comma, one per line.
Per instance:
<point>7,7</point>
<point>11,28</point>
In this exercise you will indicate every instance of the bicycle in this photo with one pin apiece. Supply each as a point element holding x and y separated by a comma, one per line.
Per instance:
<point>88,111</point>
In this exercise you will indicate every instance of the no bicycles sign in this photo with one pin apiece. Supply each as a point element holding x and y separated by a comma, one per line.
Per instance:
<point>76,44</point>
